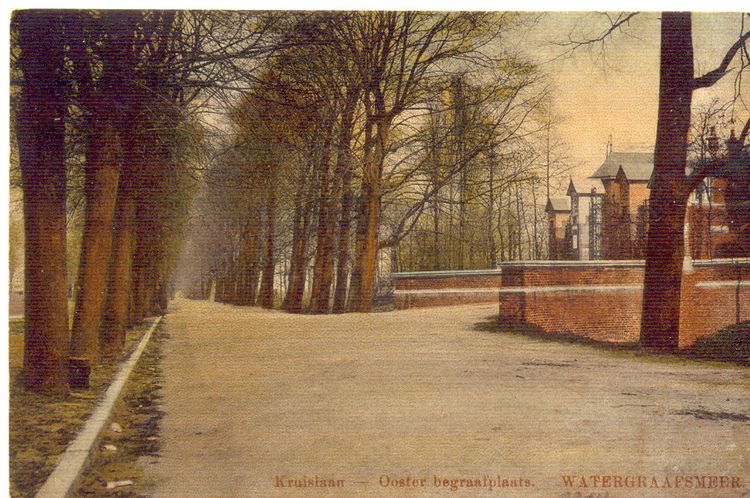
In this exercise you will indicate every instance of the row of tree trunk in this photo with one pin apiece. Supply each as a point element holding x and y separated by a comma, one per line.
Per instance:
<point>73,93</point>
<point>321,211</point>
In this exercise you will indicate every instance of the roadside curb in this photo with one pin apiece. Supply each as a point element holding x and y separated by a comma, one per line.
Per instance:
<point>60,483</point>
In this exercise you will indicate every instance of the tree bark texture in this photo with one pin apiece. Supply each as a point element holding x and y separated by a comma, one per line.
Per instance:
<point>660,322</point>
<point>298,265</point>
<point>342,257</point>
<point>363,288</point>
<point>114,325</point>
<point>324,251</point>
<point>40,135</point>
<point>102,175</point>
<point>144,271</point>
<point>250,260</point>
<point>267,282</point>
<point>343,197</point>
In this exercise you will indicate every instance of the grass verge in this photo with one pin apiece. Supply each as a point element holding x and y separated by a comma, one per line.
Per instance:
<point>42,426</point>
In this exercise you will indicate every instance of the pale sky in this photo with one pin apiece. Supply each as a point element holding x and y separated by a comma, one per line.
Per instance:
<point>613,91</point>
<point>598,93</point>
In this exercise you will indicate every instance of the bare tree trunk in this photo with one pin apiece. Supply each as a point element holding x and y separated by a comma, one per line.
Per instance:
<point>369,222</point>
<point>231,281</point>
<point>326,238</point>
<point>143,257</point>
<point>251,253</point>
<point>520,217</point>
<point>116,310</point>
<point>435,250</point>
<point>323,270</point>
<point>298,264</point>
<point>267,282</point>
<point>492,245</point>
<point>450,260</point>
<point>136,291</point>
<point>364,272</point>
<point>664,254</point>
<point>535,230</point>
<point>102,176</point>
<point>339,296</point>
<point>293,298</point>
<point>41,146</point>
<point>500,232</point>
<point>102,167</point>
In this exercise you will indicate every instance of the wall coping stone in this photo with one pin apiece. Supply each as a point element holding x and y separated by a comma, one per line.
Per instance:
<point>721,262</point>
<point>714,284</point>
<point>448,273</point>
<point>570,288</point>
<point>594,263</point>
<point>470,290</point>
<point>612,263</point>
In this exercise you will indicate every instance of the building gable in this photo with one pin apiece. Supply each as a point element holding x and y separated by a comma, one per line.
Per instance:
<point>637,166</point>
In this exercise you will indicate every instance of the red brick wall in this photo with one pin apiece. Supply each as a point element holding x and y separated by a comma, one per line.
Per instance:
<point>712,300</point>
<point>606,316</point>
<point>592,273</point>
<point>413,290</point>
<point>455,281</point>
<point>404,301</point>
<point>609,310</point>
<point>595,300</point>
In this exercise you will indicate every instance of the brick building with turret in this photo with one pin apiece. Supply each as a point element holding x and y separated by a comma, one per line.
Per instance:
<point>607,218</point>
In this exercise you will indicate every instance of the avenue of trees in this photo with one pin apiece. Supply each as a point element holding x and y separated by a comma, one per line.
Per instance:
<point>363,132</point>
<point>295,155</point>
<point>104,108</point>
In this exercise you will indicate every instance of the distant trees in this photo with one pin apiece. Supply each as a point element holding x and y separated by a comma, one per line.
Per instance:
<point>481,168</point>
<point>339,118</point>
<point>397,55</point>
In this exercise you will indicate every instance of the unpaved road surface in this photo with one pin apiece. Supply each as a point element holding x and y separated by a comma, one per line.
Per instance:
<point>258,401</point>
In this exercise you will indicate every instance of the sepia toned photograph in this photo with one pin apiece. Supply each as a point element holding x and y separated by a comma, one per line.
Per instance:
<point>378,253</point>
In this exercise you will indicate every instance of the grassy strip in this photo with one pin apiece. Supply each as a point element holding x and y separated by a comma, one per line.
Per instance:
<point>730,345</point>
<point>121,456</point>
<point>40,426</point>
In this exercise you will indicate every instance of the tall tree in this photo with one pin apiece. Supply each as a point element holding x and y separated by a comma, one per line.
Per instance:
<point>300,232</point>
<point>105,98</point>
<point>40,133</point>
<point>115,319</point>
<point>395,54</point>
<point>671,186</point>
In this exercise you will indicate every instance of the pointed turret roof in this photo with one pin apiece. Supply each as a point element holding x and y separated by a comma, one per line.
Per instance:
<point>581,186</point>
<point>558,204</point>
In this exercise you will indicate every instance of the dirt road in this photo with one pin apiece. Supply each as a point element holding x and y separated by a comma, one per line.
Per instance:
<point>420,403</point>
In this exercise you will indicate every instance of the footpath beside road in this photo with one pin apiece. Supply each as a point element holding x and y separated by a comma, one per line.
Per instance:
<point>421,403</point>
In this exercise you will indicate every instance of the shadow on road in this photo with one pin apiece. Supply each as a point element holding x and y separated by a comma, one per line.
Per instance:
<point>729,345</point>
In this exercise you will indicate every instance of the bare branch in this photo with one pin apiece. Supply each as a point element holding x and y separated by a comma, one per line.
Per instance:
<point>710,78</point>
<point>615,25</point>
